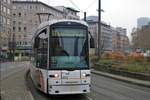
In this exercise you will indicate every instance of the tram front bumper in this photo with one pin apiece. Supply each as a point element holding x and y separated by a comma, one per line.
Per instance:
<point>69,89</point>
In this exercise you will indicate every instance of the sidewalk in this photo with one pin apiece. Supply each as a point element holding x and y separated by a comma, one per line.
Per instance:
<point>121,78</point>
<point>14,86</point>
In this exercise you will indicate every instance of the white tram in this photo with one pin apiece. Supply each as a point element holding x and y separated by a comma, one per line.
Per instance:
<point>60,57</point>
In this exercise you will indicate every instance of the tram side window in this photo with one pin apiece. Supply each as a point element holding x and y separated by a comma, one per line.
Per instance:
<point>41,45</point>
<point>32,58</point>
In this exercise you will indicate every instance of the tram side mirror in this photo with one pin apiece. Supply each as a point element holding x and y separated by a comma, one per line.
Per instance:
<point>92,44</point>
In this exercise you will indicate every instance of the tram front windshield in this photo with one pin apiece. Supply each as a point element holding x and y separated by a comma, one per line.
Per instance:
<point>68,48</point>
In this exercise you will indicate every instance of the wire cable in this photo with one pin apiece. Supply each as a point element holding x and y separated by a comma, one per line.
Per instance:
<point>82,11</point>
<point>75,6</point>
<point>90,5</point>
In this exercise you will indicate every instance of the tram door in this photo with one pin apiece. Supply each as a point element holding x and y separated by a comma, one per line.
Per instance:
<point>41,52</point>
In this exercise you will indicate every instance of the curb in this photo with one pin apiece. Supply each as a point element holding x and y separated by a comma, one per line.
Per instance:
<point>125,73</point>
<point>124,79</point>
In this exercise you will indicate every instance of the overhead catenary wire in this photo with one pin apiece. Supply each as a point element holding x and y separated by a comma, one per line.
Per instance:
<point>76,6</point>
<point>90,5</point>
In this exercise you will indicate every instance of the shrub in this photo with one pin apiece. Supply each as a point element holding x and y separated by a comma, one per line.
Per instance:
<point>134,56</point>
<point>93,57</point>
<point>106,62</point>
<point>118,56</point>
<point>107,55</point>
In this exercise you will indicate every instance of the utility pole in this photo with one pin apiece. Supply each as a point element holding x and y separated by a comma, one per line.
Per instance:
<point>84,16</point>
<point>99,29</point>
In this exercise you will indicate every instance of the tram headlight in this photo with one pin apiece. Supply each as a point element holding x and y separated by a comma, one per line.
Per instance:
<point>56,75</point>
<point>84,74</point>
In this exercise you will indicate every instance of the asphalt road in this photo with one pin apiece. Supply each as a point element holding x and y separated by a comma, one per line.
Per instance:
<point>9,68</point>
<point>102,88</point>
<point>109,89</point>
<point>12,83</point>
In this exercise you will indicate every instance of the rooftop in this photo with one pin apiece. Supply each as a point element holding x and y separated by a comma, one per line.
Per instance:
<point>72,9</point>
<point>37,2</point>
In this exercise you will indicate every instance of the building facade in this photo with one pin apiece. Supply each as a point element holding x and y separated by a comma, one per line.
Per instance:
<point>106,35</point>
<point>27,15</point>
<point>142,21</point>
<point>25,20</point>
<point>112,39</point>
<point>140,38</point>
<point>5,27</point>
<point>120,40</point>
<point>68,12</point>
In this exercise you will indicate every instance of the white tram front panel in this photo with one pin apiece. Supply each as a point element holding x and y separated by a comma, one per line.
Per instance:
<point>69,82</point>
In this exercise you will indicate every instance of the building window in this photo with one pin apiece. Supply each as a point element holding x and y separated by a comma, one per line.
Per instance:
<point>8,21</point>
<point>3,30</point>
<point>1,8</point>
<point>4,20</point>
<point>19,7</point>
<point>8,1</point>
<point>25,29</point>
<point>4,9</point>
<point>19,29</point>
<point>14,22</point>
<point>25,43</point>
<point>19,23</point>
<point>25,36</point>
<point>19,36</point>
<point>14,29</point>
<point>14,14</point>
<point>36,22</point>
<point>43,9</point>
<point>30,21</point>
<point>4,0</point>
<point>8,11</point>
<point>19,14</point>
<point>14,7</point>
<point>4,45</point>
<point>36,7</point>
<point>1,19</point>
<point>25,7</point>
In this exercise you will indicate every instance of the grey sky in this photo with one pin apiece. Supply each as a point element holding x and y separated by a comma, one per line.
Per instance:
<point>123,13</point>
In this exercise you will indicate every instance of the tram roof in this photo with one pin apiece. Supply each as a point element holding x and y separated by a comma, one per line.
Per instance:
<point>58,21</point>
<point>44,24</point>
